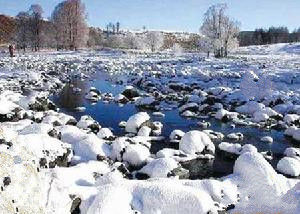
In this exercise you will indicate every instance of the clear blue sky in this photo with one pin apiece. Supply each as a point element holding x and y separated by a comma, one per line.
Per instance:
<point>177,15</point>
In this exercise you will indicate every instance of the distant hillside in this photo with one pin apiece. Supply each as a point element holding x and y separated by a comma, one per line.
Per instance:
<point>7,28</point>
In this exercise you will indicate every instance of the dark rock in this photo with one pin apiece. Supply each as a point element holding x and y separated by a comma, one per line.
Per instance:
<point>211,100</point>
<point>225,119</point>
<point>43,162</point>
<point>6,181</point>
<point>3,141</point>
<point>130,93</point>
<point>230,207</point>
<point>94,127</point>
<point>72,122</point>
<point>226,155</point>
<point>54,133</point>
<point>75,207</point>
<point>122,168</point>
<point>102,158</point>
<point>42,104</point>
<point>96,91</point>
<point>180,172</point>
<point>199,168</point>
<point>56,123</point>
<point>61,161</point>
<point>141,176</point>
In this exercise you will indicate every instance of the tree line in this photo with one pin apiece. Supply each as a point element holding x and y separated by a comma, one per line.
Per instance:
<point>272,35</point>
<point>66,29</point>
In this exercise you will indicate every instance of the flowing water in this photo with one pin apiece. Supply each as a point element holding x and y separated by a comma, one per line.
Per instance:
<point>111,114</point>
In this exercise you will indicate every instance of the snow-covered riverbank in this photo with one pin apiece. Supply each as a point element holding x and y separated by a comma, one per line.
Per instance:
<point>54,163</point>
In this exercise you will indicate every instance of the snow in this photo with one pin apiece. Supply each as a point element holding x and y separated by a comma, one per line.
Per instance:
<point>145,101</point>
<point>40,144</point>
<point>151,197</point>
<point>176,135</point>
<point>136,155</point>
<point>267,139</point>
<point>6,106</point>
<point>250,107</point>
<point>144,131</point>
<point>292,152</point>
<point>235,136</point>
<point>231,148</point>
<point>158,114</point>
<point>291,118</point>
<point>86,146</point>
<point>188,113</point>
<point>222,113</point>
<point>252,168</point>
<point>289,166</point>
<point>260,116</point>
<point>293,132</point>
<point>36,128</point>
<point>194,142</point>
<point>105,133</point>
<point>258,89</point>
<point>135,121</point>
<point>85,122</point>
<point>236,148</point>
<point>159,168</point>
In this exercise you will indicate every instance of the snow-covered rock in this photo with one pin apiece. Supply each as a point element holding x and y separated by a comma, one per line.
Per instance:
<point>159,168</point>
<point>195,142</point>
<point>176,135</point>
<point>267,139</point>
<point>231,148</point>
<point>292,152</point>
<point>136,155</point>
<point>105,133</point>
<point>291,118</point>
<point>235,136</point>
<point>134,122</point>
<point>144,131</point>
<point>86,146</point>
<point>289,166</point>
<point>223,114</point>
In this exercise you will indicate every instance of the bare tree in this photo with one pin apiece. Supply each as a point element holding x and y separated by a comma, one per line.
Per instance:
<point>118,27</point>
<point>69,18</point>
<point>22,33</point>
<point>220,29</point>
<point>206,45</point>
<point>154,40</point>
<point>132,41</point>
<point>95,37</point>
<point>35,25</point>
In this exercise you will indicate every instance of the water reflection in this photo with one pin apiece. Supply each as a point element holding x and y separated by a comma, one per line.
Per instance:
<point>69,98</point>
<point>110,114</point>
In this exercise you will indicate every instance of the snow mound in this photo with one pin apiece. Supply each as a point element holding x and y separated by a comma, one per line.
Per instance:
<point>159,168</point>
<point>176,135</point>
<point>135,122</point>
<point>289,166</point>
<point>86,146</point>
<point>195,142</point>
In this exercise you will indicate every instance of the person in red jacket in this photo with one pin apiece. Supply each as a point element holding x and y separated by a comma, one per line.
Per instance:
<point>11,50</point>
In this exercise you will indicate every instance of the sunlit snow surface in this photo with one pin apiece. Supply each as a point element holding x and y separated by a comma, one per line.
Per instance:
<point>60,160</point>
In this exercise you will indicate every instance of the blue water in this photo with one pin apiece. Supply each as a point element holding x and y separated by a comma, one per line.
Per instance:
<point>111,114</point>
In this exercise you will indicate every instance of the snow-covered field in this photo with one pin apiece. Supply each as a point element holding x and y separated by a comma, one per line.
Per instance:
<point>53,163</point>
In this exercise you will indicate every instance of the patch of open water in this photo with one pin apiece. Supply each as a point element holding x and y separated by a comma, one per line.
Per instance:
<point>111,114</point>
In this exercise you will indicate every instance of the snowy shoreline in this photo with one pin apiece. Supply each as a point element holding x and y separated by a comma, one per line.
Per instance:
<point>52,163</point>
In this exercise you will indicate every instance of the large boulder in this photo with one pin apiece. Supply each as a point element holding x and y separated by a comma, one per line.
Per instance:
<point>196,142</point>
<point>135,122</point>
